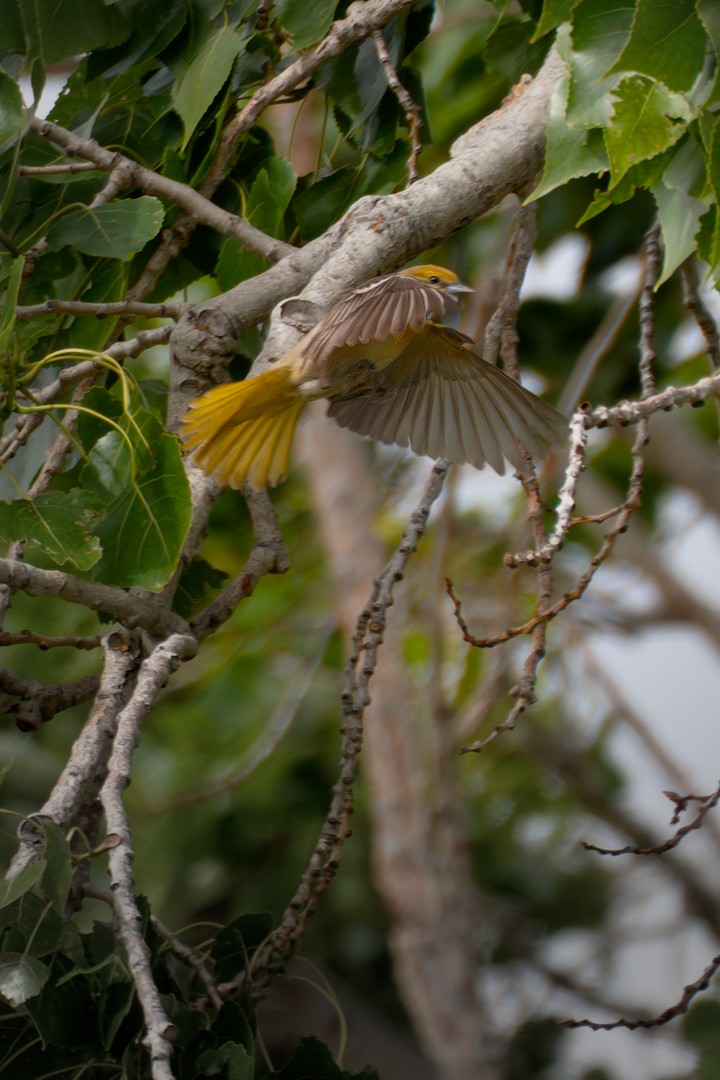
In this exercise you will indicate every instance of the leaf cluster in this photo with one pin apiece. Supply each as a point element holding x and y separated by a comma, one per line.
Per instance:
<point>638,104</point>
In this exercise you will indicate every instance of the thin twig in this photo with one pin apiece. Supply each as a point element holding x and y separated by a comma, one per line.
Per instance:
<point>709,802</point>
<point>411,110</point>
<point>43,641</point>
<point>698,309</point>
<point>152,183</point>
<point>101,311</point>
<point>67,167</point>
<point>678,1009</point>
<point>131,608</point>
<point>566,500</point>
<point>152,676</point>
<point>77,787</point>
<point>38,703</point>
<point>359,670</point>
<point>191,957</point>
<point>501,336</point>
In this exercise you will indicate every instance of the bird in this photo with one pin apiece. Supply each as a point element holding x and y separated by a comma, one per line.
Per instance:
<point>389,369</point>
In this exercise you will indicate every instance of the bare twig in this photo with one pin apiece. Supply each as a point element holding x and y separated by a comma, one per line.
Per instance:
<point>133,609</point>
<point>29,637</point>
<point>39,703</point>
<point>137,176</point>
<point>698,309</point>
<point>678,1009</point>
<point>64,168</point>
<point>501,336</point>
<point>267,557</point>
<point>152,676</point>
<point>566,500</point>
<point>706,805</point>
<point>360,668</point>
<point>411,110</point>
<point>76,790</point>
<point>101,311</point>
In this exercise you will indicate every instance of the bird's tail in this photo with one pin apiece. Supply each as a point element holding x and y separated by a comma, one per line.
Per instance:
<point>243,431</point>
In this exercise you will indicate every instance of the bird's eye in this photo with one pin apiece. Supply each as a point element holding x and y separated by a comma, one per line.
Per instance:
<point>434,279</point>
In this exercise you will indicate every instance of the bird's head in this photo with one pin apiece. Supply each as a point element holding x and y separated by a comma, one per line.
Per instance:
<point>445,281</point>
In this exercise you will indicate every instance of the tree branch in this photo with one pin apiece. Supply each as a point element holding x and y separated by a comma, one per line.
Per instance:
<point>137,176</point>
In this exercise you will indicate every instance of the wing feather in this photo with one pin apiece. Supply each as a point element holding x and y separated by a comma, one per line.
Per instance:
<point>382,308</point>
<point>444,400</point>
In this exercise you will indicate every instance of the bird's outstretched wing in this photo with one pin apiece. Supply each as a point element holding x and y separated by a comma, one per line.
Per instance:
<point>383,308</point>
<point>443,400</point>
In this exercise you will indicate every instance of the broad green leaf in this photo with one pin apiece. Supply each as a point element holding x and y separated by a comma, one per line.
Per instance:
<point>11,109</point>
<point>569,152</point>
<point>709,236</point>
<point>599,31</point>
<point>679,215</point>
<point>65,1015</point>
<point>305,22</point>
<point>13,888</point>
<point>667,41</point>
<point>146,521</point>
<point>59,29</point>
<point>114,231</point>
<point>7,314</point>
<point>58,522</point>
<point>553,13</point>
<point>109,283</point>
<point>712,155</point>
<point>324,201</point>
<point>21,977</point>
<point>41,927</point>
<point>643,175</point>
<point>644,123</point>
<point>194,91</point>
<point>57,879</point>
<point>197,580</point>
<point>269,197</point>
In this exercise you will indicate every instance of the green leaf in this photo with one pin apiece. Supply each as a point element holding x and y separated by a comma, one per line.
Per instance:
<point>116,230</point>
<point>599,32</point>
<point>53,30</point>
<point>57,879</point>
<point>21,977</point>
<point>57,522</point>
<point>667,41</point>
<point>65,1015</point>
<point>229,1060</point>
<point>11,109</point>
<point>305,23</point>
<point>644,123</point>
<point>553,13</point>
<point>269,197</point>
<point>198,579</point>
<point>321,204</point>
<point>145,520</point>
<point>204,77</point>
<point>7,317</point>
<point>679,215</point>
<point>569,152</point>
<point>109,283</point>
<point>12,888</point>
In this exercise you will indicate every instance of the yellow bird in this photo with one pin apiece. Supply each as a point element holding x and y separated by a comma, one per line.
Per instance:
<point>389,370</point>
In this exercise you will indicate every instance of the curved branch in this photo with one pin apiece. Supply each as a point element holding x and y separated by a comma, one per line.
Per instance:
<point>136,175</point>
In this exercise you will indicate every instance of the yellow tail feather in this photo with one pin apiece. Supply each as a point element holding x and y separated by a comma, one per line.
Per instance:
<point>243,431</point>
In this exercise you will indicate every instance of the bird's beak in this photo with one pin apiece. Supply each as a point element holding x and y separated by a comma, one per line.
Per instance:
<point>459,287</point>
